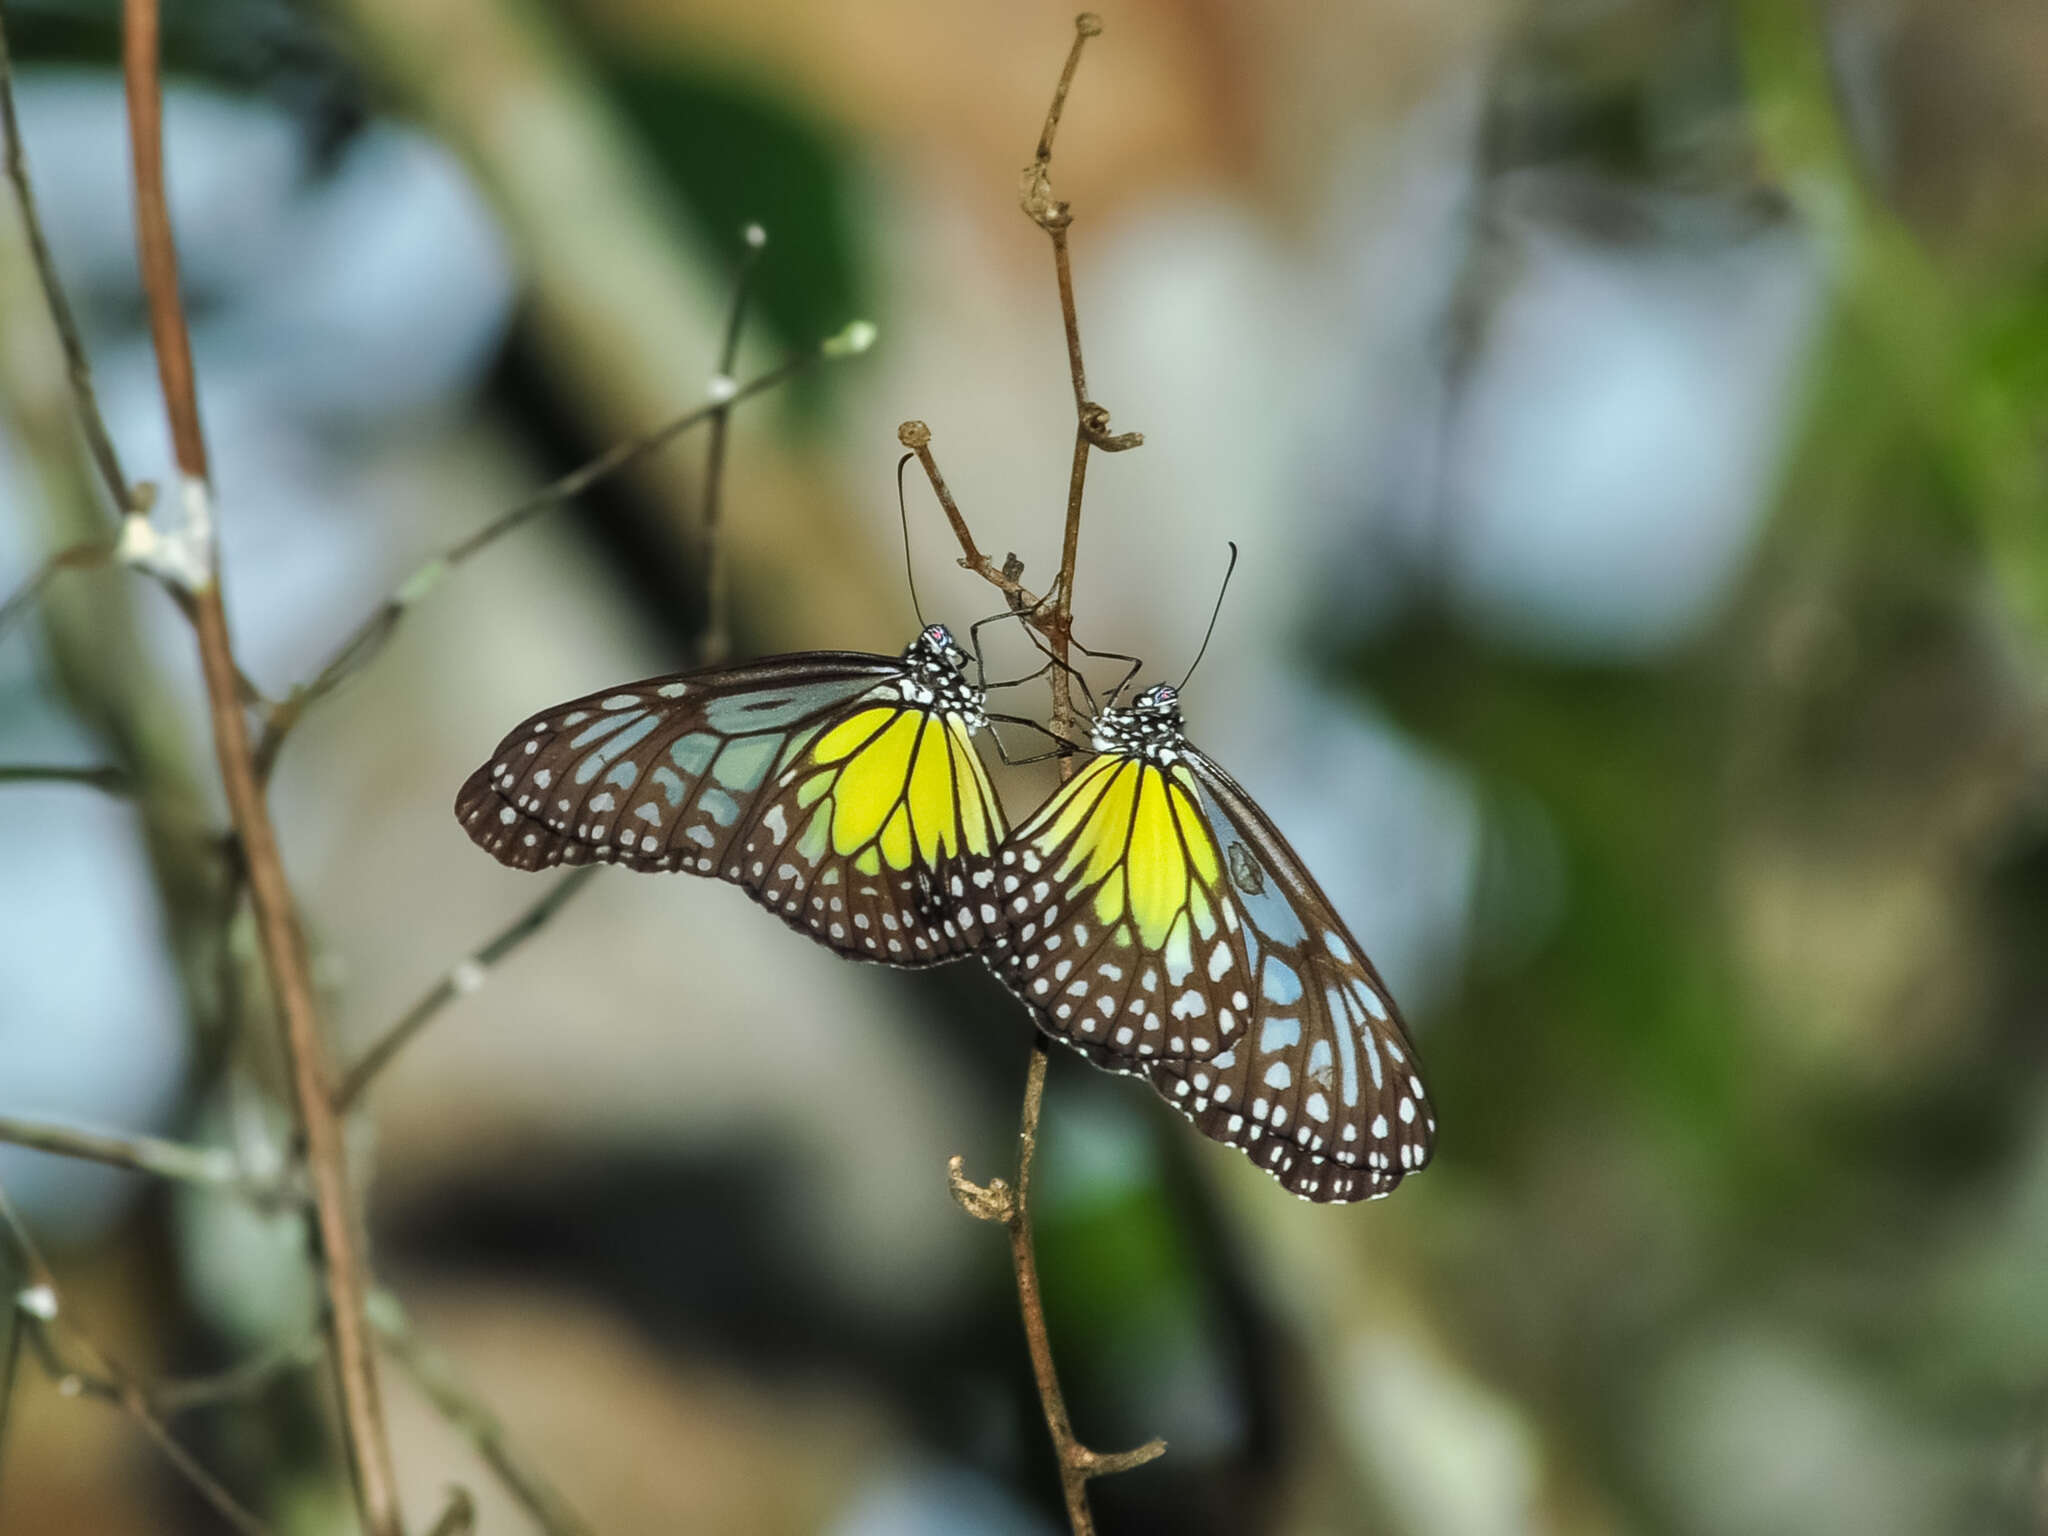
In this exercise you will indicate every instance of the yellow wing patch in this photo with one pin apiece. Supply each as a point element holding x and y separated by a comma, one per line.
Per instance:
<point>1132,832</point>
<point>1118,926</point>
<point>897,786</point>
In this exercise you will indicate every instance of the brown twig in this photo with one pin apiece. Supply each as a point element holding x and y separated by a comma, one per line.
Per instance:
<point>1053,618</point>
<point>917,437</point>
<point>84,1369</point>
<point>277,925</point>
<point>460,981</point>
<point>430,1372</point>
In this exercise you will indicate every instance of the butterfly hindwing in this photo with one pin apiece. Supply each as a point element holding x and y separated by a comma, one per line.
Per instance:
<point>1155,919</point>
<point>1323,1090</point>
<point>869,836</point>
<point>1117,927</point>
<point>838,789</point>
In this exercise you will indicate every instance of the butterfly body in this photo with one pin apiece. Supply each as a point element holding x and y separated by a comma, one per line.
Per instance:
<point>841,790</point>
<point>1153,917</point>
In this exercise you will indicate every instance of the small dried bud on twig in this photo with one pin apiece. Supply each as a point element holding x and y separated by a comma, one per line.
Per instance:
<point>984,1202</point>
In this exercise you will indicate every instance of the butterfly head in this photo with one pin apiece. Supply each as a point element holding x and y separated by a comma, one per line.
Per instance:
<point>935,671</point>
<point>935,643</point>
<point>1148,726</point>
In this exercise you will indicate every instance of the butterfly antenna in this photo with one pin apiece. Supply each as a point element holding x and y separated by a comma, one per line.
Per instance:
<point>1214,614</point>
<point>909,570</point>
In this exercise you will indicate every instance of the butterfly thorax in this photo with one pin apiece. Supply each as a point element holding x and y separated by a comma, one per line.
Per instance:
<point>1148,727</point>
<point>935,676</point>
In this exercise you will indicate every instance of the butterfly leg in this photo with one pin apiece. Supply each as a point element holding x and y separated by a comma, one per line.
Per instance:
<point>1061,748</point>
<point>1122,682</point>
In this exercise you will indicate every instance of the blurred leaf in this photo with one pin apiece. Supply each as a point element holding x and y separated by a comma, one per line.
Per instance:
<point>737,155</point>
<point>1634,986</point>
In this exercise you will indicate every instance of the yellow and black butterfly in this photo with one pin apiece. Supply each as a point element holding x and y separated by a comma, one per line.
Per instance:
<point>1153,917</point>
<point>841,790</point>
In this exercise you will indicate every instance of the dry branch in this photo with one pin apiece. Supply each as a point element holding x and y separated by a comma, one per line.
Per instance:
<point>431,1373</point>
<point>340,1256</point>
<point>1053,617</point>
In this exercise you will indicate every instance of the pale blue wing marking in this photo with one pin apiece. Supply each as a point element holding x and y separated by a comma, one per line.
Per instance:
<point>603,754</point>
<point>744,763</point>
<point>693,753</point>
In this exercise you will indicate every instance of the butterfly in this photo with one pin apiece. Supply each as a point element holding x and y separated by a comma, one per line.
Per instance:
<point>1153,917</point>
<point>841,790</point>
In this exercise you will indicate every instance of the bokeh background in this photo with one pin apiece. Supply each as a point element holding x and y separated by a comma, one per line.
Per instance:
<point>1632,416</point>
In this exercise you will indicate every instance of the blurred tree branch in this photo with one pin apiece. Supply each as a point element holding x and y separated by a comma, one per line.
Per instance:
<point>459,1518</point>
<point>464,978</point>
<point>112,781</point>
<point>474,1418</point>
<point>206,1167</point>
<point>369,637</point>
<point>79,1367</point>
<point>717,639</point>
<point>77,364</point>
<point>182,557</point>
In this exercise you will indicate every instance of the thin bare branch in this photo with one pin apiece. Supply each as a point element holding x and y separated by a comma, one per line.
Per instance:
<point>430,1371</point>
<point>369,637</point>
<point>996,1201</point>
<point>12,1328</point>
<point>80,1367</point>
<point>460,981</point>
<point>88,555</point>
<point>716,643</point>
<point>25,597</point>
<point>112,781</point>
<point>76,363</point>
<point>237,1384</point>
<point>207,1167</point>
<point>277,925</point>
<point>917,437</point>
<point>459,1518</point>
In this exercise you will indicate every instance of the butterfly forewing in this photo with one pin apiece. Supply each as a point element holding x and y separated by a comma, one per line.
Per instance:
<point>841,794</point>
<point>1114,920</point>
<point>1323,1090</point>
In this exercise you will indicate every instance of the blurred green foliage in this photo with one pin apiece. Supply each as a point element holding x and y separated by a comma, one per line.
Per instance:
<point>737,153</point>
